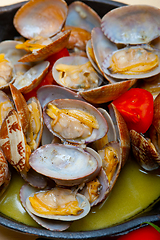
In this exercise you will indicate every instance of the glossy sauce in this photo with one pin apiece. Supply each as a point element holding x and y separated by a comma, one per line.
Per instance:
<point>134,191</point>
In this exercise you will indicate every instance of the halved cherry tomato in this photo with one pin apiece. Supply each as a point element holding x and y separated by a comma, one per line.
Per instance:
<point>136,107</point>
<point>145,233</point>
<point>48,79</point>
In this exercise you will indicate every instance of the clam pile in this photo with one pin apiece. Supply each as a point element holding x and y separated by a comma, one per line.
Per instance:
<point>69,142</point>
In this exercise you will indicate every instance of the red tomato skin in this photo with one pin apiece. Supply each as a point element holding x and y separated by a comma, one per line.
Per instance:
<point>145,233</point>
<point>48,79</point>
<point>136,106</point>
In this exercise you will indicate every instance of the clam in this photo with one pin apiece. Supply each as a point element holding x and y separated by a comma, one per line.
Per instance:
<point>96,190</point>
<point>111,163</point>
<point>40,18</point>
<point>99,188</point>
<point>131,62</point>
<point>52,225</point>
<point>115,56</point>
<point>40,48</point>
<point>74,121</point>
<point>76,73</point>
<point>34,133</point>
<point>67,165</point>
<point>12,142</point>
<point>144,151</point>
<point>59,204</point>
<point>31,78</point>
<point>8,47</point>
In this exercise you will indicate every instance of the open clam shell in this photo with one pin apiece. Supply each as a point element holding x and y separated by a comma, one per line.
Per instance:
<point>34,133</point>
<point>144,151</point>
<point>74,74</point>
<point>135,24</point>
<point>87,108</point>
<point>52,225</point>
<point>67,165</point>
<point>58,42</point>
<point>40,18</point>
<point>30,79</point>
<point>82,203</point>
<point>106,65</point>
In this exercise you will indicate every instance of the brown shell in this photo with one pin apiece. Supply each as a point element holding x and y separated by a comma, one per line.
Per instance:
<point>21,107</point>
<point>12,140</point>
<point>144,151</point>
<point>107,92</point>
<point>58,44</point>
<point>38,17</point>
<point>156,114</point>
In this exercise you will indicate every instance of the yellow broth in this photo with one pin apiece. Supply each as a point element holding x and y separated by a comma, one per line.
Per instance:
<point>134,191</point>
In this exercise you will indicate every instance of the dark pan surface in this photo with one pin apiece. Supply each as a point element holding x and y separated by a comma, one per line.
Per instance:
<point>7,31</point>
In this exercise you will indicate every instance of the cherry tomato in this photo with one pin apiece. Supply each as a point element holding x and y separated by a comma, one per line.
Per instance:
<point>48,79</point>
<point>136,107</point>
<point>145,233</point>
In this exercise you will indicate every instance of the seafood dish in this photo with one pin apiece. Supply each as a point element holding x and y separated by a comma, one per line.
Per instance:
<point>79,123</point>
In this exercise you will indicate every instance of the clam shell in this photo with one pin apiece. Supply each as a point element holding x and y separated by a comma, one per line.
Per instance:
<point>39,135</point>
<point>134,24</point>
<point>82,202</point>
<point>75,61</point>
<point>106,65</point>
<point>107,93</point>
<point>83,16</point>
<point>118,150</point>
<point>40,18</point>
<point>12,141</point>
<point>30,79</point>
<point>21,107</point>
<point>144,151</point>
<point>102,178</point>
<point>84,106</point>
<point>52,225</point>
<point>59,41</point>
<point>67,165</point>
